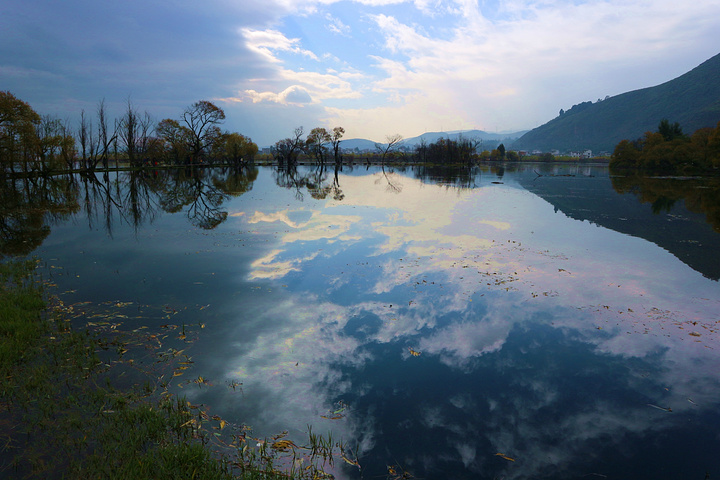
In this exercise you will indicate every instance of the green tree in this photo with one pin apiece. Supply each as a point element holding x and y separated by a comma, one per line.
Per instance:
<point>546,157</point>
<point>54,146</point>
<point>713,147</point>
<point>669,131</point>
<point>625,155</point>
<point>18,135</point>
<point>700,155</point>
<point>501,150</point>
<point>238,148</point>
<point>448,151</point>
<point>176,139</point>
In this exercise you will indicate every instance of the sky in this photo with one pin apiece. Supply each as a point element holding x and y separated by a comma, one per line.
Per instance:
<point>375,67</point>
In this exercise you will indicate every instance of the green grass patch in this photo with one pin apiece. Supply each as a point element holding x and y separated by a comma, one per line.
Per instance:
<point>21,306</point>
<point>80,404</point>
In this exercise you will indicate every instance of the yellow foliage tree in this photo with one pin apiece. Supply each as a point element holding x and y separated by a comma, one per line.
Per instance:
<point>18,136</point>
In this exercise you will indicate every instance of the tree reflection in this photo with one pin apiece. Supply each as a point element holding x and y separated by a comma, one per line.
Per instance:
<point>394,185</point>
<point>700,195</point>
<point>457,175</point>
<point>315,181</point>
<point>203,193</point>
<point>32,204</point>
<point>128,196</point>
<point>235,181</point>
<point>193,191</point>
<point>28,208</point>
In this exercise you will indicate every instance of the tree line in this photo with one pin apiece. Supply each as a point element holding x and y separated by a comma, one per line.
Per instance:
<point>40,145</point>
<point>321,146</point>
<point>35,144</point>
<point>32,144</point>
<point>669,151</point>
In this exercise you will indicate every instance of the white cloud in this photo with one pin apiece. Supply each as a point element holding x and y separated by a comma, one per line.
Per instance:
<point>266,42</point>
<point>380,3</point>
<point>461,342</point>
<point>377,66</point>
<point>499,73</point>
<point>306,88</point>
<point>336,25</point>
<point>294,94</point>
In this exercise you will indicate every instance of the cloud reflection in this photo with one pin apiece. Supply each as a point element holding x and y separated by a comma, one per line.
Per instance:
<point>318,227</point>
<point>481,282</point>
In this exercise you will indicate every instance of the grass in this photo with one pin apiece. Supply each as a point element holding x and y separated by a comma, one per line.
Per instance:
<point>20,309</point>
<point>65,414</point>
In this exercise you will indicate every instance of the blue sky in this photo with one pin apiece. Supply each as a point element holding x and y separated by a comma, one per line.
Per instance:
<point>374,67</point>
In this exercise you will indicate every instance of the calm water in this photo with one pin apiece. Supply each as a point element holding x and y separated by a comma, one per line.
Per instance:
<point>433,319</point>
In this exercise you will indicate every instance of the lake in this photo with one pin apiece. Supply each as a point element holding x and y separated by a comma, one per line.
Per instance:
<point>522,322</point>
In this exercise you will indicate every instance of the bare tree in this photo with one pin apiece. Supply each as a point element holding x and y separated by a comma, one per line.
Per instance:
<point>335,136</point>
<point>315,143</point>
<point>145,126</point>
<point>393,141</point>
<point>84,136</point>
<point>97,148</point>
<point>421,150</point>
<point>202,119</point>
<point>128,132</point>
<point>68,151</point>
<point>133,130</point>
<point>105,137</point>
<point>288,149</point>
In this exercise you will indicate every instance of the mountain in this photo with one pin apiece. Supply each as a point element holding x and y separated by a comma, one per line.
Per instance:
<point>359,143</point>
<point>692,100</point>
<point>492,139</point>
<point>489,140</point>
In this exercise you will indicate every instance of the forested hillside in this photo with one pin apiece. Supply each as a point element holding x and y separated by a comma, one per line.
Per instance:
<point>692,100</point>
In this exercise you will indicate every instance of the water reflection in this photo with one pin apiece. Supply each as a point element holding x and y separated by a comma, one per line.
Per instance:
<point>675,214</point>
<point>132,198</point>
<point>701,195</point>
<point>316,181</point>
<point>28,207</point>
<point>551,341</point>
<point>498,331</point>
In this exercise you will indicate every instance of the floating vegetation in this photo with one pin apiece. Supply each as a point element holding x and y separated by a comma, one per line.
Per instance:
<point>396,472</point>
<point>660,408</point>
<point>337,412</point>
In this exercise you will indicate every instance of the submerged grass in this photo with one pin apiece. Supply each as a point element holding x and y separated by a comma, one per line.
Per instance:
<point>20,326</point>
<point>63,413</point>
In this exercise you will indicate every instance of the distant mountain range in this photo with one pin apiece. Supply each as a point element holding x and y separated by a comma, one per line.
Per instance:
<point>488,140</point>
<point>692,100</point>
